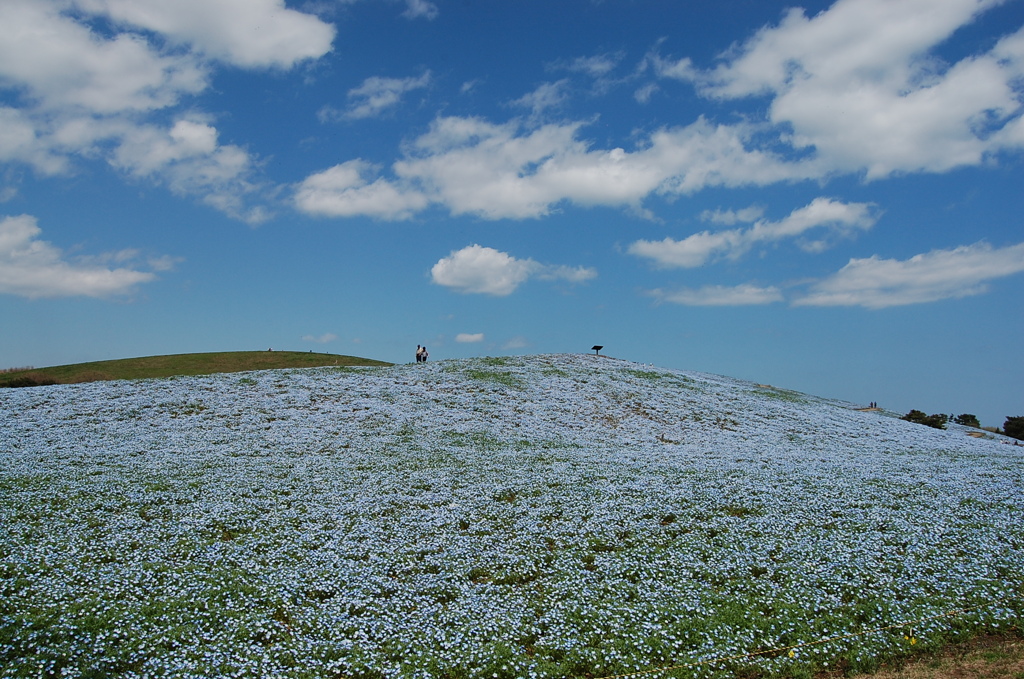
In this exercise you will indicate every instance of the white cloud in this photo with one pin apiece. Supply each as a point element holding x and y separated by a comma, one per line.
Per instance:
<point>515,171</point>
<point>97,79</point>
<point>63,63</point>
<point>164,262</point>
<point>690,252</point>
<point>572,274</point>
<point>248,33</point>
<point>320,339</point>
<point>855,89</point>
<point>718,295</point>
<point>375,96</point>
<point>677,69</point>
<point>148,149</point>
<point>482,270</point>
<point>344,191</point>
<point>420,8</point>
<point>596,66</point>
<point>860,88</point>
<point>837,218</point>
<point>504,171</point>
<point>877,283</point>
<point>189,159</point>
<point>20,142</point>
<point>474,166</point>
<point>644,93</point>
<point>477,269</point>
<point>33,268</point>
<point>469,338</point>
<point>546,96</point>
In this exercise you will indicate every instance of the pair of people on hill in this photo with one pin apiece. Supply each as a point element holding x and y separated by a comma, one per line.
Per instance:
<point>421,354</point>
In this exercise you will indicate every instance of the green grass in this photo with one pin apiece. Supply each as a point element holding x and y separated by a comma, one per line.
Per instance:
<point>184,364</point>
<point>780,394</point>
<point>501,377</point>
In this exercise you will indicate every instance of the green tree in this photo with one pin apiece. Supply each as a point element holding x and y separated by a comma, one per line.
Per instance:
<point>938,421</point>
<point>1014,426</point>
<point>967,420</point>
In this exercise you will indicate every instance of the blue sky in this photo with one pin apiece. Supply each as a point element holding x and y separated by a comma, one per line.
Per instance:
<point>825,197</point>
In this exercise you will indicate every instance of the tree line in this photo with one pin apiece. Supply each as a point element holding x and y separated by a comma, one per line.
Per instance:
<point>1013,427</point>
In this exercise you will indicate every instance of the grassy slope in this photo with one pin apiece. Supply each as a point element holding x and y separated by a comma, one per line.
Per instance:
<point>186,364</point>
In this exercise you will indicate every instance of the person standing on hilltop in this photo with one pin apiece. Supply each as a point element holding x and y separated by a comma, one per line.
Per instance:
<point>424,354</point>
<point>419,353</point>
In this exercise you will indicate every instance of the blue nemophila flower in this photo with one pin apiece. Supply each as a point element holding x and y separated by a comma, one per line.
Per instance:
<point>515,517</point>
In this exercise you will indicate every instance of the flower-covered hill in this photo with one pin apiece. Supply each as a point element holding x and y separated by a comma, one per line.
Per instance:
<point>550,516</point>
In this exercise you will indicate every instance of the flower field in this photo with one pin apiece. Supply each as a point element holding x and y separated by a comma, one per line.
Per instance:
<point>547,516</point>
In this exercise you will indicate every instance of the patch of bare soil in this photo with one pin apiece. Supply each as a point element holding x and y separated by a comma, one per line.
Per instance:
<point>987,657</point>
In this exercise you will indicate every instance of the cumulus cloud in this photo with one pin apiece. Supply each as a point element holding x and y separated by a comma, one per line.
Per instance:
<point>857,88</point>
<point>719,295</point>
<point>33,268</point>
<point>188,158</point>
<point>346,191</point>
<point>478,269</point>
<point>62,63</point>
<point>516,170</point>
<point>375,96</point>
<point>20,142</point>
<point>482,270</point>
<point>99,79</point>
<point>861,87</point>
<point>508,171</point>
<point>835,217</point>
<point>469,338</point>
<point>248,33</point>
<point>876,283</point>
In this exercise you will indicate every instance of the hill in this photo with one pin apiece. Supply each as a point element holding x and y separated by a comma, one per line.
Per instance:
<point>179,364</point>
<point>547,516</point>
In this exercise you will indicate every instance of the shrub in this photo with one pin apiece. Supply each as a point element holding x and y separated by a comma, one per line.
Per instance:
<point>938,420</point>
<point>1014,427</point>
<point>967,420</point>
<point>28,381</point>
